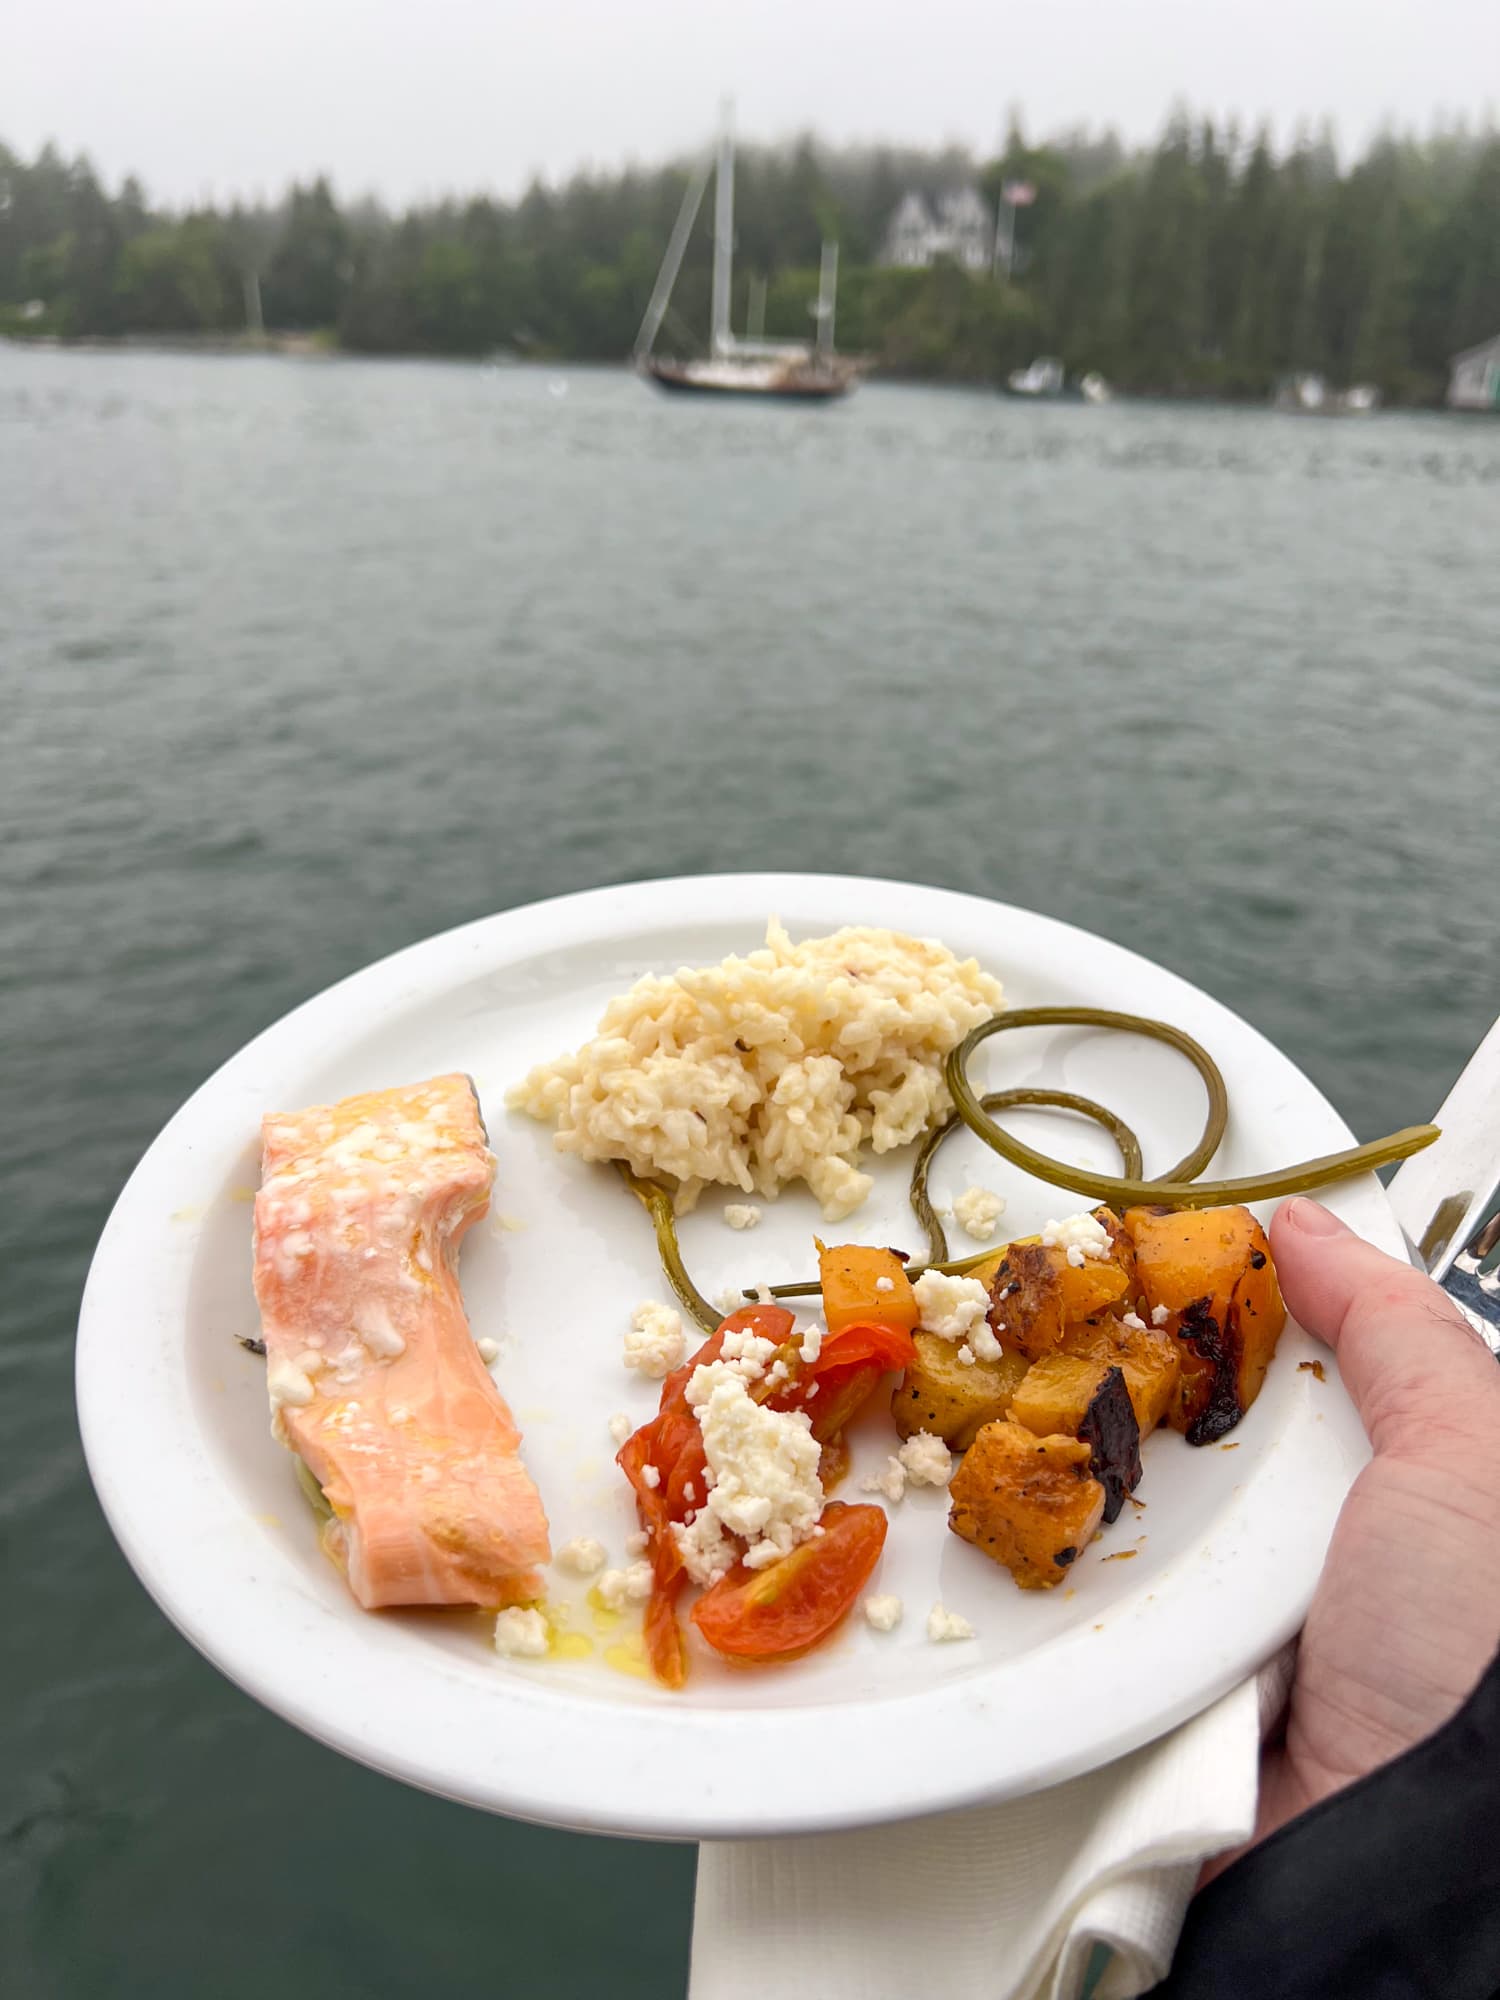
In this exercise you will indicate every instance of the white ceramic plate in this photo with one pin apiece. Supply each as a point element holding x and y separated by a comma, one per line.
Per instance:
<point>872,1727</point>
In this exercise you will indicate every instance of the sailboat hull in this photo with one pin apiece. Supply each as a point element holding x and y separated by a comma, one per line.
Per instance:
<point>799,383</point>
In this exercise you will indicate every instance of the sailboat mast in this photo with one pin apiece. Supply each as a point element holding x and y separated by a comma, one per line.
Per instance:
<point>828,281</point>
<point>721,340</point>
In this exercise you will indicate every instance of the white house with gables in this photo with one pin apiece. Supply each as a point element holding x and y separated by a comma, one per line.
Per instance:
<point>958,225</point>
<point>1474,383</point>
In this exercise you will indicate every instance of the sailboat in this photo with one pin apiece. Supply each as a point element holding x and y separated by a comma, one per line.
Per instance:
<point>790,370</point>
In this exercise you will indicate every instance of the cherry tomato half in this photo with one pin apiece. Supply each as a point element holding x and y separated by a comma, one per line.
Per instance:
<point>866,1340</point>
<point>787,1608</point>
<point>663,1635</point>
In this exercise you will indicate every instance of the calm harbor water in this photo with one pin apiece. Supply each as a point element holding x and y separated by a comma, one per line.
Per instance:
<point>302,661</point>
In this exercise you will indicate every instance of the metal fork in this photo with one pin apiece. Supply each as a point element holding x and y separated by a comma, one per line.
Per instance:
<point>1447,1199</point>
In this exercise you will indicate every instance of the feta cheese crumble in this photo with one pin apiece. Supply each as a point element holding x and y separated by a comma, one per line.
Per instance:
<point>742,1215</point>
<point>966,1355</point>
<point>812,1343</point>
<point>583,1555</point>
<point>290,1382</point>
<point>943,1626</point>
<point>1159,1315</point>
<point>1133,1320</point>
<point>707,1552</point>
<point>489,1352</point>
<point>619,1587</point>
<point>890,1484</point>
<point>925,1460</point>
<point>746,1354</point>
<point>653,1346</point>
<point>883,1613</point>
<point>985,1345</point>
<point>977,1210</point>
<point>950,1307</point>
<point>521,1634</point>
<point>650,1476</point>
<point>1081,1236</point>
<point>638,1543</point>
<point>885,1284</point>
<point>762,1464</point>
<point>620,1427</point>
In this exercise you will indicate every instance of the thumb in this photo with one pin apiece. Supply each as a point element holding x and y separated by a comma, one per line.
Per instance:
<point>1418,1373</point>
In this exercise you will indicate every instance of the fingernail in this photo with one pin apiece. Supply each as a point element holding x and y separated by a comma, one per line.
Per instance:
<point>1312,1218</point>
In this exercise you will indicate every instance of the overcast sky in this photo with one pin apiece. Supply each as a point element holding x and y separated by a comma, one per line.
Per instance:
<point>408,98</point>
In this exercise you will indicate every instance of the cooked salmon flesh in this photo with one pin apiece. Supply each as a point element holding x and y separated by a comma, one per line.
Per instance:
<point>373,1373</point>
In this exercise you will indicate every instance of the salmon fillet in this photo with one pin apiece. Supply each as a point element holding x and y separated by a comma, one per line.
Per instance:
<point>373,1373</point>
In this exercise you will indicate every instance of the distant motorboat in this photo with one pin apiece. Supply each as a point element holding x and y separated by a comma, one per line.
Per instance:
<point>1308,395</point>
<point>1045,377</point>
<point>1046,380</point>
<point>788,370</point>
<point>1360,399</point>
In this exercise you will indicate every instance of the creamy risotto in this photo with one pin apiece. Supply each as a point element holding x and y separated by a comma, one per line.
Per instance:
<point>776,1067</point>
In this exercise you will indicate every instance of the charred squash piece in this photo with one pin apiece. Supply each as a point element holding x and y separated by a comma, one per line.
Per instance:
<point>1147,1356</point>
<point>1113,1437</point>
<point>1077,1396</point>
<point>1029,1503</point>
<point>1054,1397</point>
<point>1210,1270</point>
<point>1037,1295</point>
<point>952,1400</point>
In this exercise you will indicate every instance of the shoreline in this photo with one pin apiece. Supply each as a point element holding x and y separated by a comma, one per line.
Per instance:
<point>324,347</point>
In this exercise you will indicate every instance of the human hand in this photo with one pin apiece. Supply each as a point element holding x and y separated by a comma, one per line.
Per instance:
<point>1407,1612</point>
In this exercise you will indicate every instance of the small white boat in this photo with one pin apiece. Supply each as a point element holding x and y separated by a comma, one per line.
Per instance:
<point>1046,380</point>
<point>1045,377</point>
<point>1308,395</point>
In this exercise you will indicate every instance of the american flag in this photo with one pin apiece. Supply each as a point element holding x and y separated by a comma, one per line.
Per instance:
<point>1018,194</point>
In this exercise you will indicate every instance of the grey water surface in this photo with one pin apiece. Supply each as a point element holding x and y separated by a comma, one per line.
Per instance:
<point>301,661</point>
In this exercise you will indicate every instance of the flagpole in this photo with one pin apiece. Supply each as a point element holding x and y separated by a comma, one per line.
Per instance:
<point>1014,195</point>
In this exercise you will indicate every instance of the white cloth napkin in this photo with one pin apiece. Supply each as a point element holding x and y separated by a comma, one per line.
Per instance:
<point>1006,1902</point>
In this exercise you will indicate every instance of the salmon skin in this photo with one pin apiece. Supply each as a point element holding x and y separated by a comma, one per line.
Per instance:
<point>374,1377</point>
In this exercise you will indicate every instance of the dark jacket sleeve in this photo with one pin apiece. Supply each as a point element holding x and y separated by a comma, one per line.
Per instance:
<point>1388,1890</point>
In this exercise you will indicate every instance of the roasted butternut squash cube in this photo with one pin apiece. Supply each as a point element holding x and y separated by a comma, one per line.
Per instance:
<point>1037,1295</point>
<point>985,1270</point>
<point>1211,1270</point>
<point>850,1274</point>
<point>1147,1356</point>
<point>1055,1393</point>
<point>1029,1503</point>
<point>952,1398</point>
<point>1075,1395</point>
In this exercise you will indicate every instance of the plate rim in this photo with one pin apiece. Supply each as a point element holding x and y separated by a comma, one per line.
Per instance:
<point>835,1791</point>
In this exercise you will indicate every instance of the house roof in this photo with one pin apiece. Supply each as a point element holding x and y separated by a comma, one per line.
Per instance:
<point>1490,346</point>
<point>963,208</point>
<point>911,213</point>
